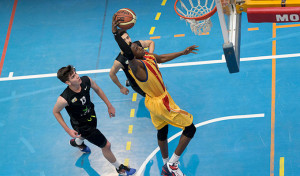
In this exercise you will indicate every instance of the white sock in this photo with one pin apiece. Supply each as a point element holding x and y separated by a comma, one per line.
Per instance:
<point>165,160</point>
<point>78,141</point>
<point>116,164</point>
<point>174,158</point>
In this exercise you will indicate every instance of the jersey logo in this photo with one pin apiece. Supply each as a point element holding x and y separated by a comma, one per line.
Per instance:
<point>127,62</point>
<point>83,100</point>
<point>85,88</point>
<point>90,119</point>
<point>86,110</point>
<point>74,100</point>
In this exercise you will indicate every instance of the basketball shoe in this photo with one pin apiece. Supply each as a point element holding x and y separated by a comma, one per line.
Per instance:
<point>171,169</point>
<point>81,147</point>
<point>124,170</point>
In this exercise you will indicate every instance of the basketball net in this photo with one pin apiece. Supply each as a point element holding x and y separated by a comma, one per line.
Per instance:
<point>198,16</point>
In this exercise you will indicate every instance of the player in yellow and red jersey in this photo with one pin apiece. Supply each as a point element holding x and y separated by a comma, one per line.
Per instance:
<point>163,110</point>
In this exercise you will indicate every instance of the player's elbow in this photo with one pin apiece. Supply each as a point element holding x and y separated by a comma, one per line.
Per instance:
<point>55,111</point>
<point>111,72</point>
<point>152,43</point>
<point>160,60</point>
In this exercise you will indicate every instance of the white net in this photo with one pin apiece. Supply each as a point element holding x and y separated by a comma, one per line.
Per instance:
<point>201,26</point>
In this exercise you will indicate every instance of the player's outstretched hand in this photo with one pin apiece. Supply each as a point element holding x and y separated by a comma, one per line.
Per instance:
<point>190,49</point>
<point>111,111</point>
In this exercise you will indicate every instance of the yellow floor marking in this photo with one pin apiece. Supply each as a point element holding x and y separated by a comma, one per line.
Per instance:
<point>156,37</point>
<point>132,112</point>
<point>274,30</point>
<point>164,2</point>
<point>130,129</point>
<point>287,26</point>
<point>157,16</point>
<point>274,47</point>
<point>134,96</point>
<point>126,162</point>
<point>253,29</point>
<point>128,145</point>
<point>179,35</point>
<point>152,31</point>
<point>273,110</point>
<point>207,33</point>
<point>281,166</point>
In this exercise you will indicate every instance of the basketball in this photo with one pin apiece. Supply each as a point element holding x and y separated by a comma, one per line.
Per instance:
<point>127,18</point>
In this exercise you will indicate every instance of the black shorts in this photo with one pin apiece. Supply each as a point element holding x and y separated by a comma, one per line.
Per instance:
<point>90,132</point>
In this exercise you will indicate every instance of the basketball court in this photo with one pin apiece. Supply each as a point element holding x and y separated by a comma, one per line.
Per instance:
<point>246,121</point>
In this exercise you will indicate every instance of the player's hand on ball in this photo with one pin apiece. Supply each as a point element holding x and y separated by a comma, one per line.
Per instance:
<point>115,23</point>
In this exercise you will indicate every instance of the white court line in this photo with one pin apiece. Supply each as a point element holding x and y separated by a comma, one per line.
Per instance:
<point>11,74</point>
<point>27,144</point>
<point>141,169</point>
<point>160,65</point>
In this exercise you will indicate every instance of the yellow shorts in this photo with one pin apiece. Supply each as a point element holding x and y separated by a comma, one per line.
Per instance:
<point>163,111</point>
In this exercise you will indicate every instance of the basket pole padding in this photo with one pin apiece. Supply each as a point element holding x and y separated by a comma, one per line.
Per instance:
<point>233,63</point>
<point>232,48</point>
<point>273,15</point>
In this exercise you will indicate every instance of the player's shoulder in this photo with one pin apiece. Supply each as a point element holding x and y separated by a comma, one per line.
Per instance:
<point>61,99</point>
<point>65,94</point>
<point>122,59</point>
<point>86,80</point>
<point>119,56</point>
<point>149,56</point>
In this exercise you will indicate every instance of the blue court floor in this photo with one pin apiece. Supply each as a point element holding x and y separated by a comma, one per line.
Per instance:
<point>247,122</point>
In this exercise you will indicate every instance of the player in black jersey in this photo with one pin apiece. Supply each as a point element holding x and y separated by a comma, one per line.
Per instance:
<point>76,100</point>
<point>121,62</point>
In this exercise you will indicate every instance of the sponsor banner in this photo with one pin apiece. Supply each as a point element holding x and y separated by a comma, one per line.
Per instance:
<point>273,15</point>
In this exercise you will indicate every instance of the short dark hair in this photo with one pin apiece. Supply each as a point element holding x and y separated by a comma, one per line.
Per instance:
<point>138,43</point>
<point>64,72</point>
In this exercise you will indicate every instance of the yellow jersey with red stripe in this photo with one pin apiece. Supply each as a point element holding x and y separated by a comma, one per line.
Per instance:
<point>158,101</point>
<point>153,86</point>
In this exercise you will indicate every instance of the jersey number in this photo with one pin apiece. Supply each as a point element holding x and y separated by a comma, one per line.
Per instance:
<point>83,100</point>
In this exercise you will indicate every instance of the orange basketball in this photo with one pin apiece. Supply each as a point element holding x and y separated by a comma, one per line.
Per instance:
<point>127,18</point>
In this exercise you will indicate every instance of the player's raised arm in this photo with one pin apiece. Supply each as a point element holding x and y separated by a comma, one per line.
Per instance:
<point>168,57</point>
<point>122,44</point>
<point>148,44</point>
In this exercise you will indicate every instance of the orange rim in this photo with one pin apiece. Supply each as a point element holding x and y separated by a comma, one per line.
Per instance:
<point>203,17</point>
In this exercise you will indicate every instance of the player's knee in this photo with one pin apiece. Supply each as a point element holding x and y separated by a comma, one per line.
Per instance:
<point>162,134</point>
<point>189,131</point>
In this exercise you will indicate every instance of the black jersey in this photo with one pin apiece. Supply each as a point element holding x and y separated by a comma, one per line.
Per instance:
<point>124,61</point>
<point>79,106</point>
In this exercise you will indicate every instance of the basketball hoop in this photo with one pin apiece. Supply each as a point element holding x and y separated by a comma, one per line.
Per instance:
<point>197,16</point>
